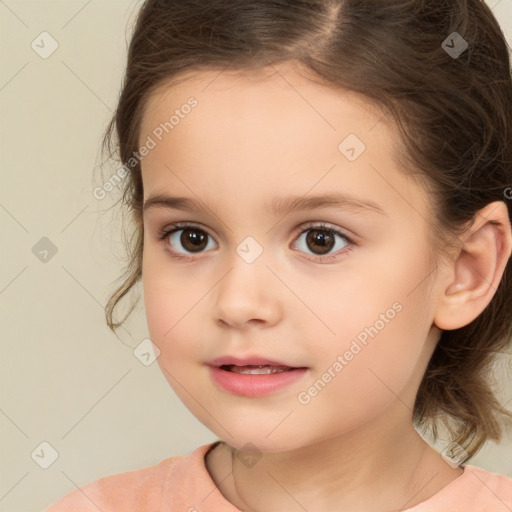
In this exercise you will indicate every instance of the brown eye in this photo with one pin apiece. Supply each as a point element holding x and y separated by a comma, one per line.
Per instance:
<point>185,240</point>
<point>320,241</point>
<point>323,242</point>
<point>193,239</point>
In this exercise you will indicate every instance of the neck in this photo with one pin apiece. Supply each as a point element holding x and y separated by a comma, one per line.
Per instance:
<point>356,471</point>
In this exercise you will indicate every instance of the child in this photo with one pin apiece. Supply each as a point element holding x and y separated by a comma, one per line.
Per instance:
<point>322,202</point>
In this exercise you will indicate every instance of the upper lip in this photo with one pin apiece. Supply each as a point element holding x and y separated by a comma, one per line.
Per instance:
<point>246,361</point>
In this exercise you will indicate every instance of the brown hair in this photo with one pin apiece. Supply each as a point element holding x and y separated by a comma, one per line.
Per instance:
<point>454,114</point>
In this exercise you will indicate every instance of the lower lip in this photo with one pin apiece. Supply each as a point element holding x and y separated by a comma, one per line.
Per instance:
<point>255,384</point>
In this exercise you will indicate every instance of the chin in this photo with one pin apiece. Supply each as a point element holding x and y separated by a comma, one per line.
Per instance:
<point>256,439</point>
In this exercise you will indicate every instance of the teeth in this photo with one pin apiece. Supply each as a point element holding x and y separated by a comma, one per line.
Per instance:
<point>257,370</point>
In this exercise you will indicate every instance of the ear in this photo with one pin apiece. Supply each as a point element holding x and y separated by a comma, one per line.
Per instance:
<point>476,270</point>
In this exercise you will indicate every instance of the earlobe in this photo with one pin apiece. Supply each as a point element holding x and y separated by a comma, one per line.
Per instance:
<point>477,269</point>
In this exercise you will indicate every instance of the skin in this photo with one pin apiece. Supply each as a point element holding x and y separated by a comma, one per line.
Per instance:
<point>251,138</point>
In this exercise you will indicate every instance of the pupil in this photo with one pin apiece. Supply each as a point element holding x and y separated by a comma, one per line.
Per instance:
<point>321,238</point>
<point>194,237</point>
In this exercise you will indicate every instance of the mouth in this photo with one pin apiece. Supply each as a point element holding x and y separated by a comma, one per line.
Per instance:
<point>260,369</point>
<point>254,376</point>
<point>252,365</point>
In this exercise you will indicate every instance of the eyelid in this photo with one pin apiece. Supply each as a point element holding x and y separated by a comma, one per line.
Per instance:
<point>183,225</point>
<point>165,232</point>
<point>322,225</point>
<point>308,225</point>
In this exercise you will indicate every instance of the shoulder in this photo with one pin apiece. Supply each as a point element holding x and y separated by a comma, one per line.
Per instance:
<point>493,488</point>
<point>141,489</point>
<point>476,490</point>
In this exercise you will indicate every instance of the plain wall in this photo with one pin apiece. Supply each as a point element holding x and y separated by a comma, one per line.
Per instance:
<point>65,378</point>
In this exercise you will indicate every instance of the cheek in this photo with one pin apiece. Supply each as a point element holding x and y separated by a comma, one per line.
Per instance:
<point>169,325</point>
<point>169,312</point>
<point>360,380</point>
<point>169,303</point>
<point>381,320</point>
<point>382,291</point>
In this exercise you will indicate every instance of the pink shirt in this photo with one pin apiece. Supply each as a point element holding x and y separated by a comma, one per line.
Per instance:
<point>183,484</point>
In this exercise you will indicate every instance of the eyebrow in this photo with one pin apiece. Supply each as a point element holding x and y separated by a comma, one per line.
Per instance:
<point>279,206</point>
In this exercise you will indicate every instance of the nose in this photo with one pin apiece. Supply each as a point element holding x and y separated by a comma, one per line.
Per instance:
<point>248,294</point>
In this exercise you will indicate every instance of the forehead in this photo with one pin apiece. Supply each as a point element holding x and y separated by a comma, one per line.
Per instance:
<point>294,89</point>
<point>275,126</point>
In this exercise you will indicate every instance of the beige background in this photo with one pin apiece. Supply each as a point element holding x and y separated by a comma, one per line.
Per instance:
<point>65,378</point>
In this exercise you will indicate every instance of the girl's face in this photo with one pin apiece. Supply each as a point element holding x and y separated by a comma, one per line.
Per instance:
<point>253,279</point>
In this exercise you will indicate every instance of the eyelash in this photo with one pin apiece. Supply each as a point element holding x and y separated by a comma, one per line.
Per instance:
<point>164,234</point>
